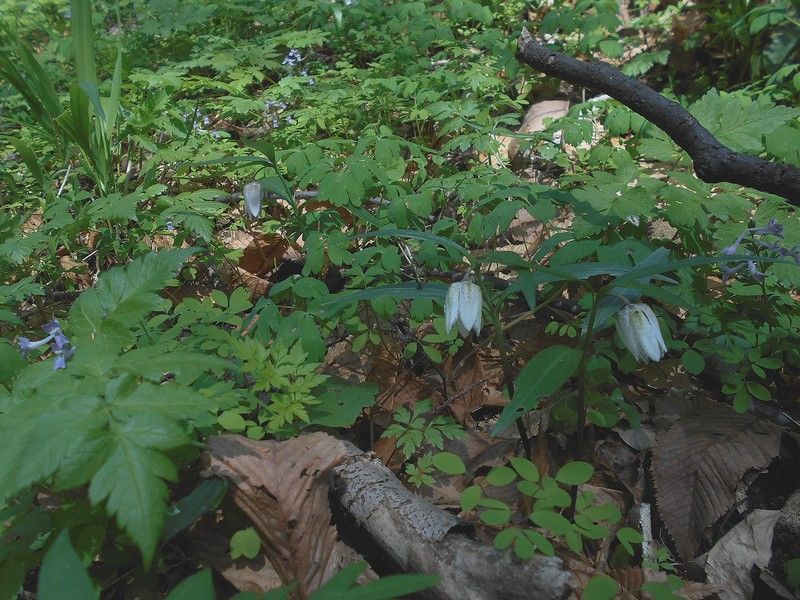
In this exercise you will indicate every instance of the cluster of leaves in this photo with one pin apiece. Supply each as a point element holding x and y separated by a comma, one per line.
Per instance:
<point>125,134</point>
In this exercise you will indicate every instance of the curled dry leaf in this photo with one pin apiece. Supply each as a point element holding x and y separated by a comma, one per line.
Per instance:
<point>731,560</point>
<point>282,488</point>
<point>698,463</point>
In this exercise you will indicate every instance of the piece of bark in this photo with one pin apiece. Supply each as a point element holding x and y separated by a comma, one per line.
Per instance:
<point>713,161</point>
<point>421,538</point>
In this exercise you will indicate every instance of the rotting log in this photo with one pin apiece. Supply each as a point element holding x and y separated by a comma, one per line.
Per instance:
<point>421,538</point>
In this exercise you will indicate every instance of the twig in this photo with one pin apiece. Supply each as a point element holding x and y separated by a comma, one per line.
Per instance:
<point>713,161</point>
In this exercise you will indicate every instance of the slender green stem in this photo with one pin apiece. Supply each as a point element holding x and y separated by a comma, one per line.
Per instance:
<point>583,384</point>
<point>505,363</point>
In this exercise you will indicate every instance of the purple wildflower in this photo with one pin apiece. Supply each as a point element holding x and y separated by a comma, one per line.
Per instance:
<point>26,346</point>
<point>292,58</point>
<point>771,228</point>
<point>59,344</point>
<point>753,270</point>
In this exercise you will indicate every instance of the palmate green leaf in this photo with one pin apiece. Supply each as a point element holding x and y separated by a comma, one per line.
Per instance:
<point>123,297</point>
<point>41,433</point>
<point>131,481</point>
<point>738,121</point>
<point>169,401</point>
<point>153,362</point>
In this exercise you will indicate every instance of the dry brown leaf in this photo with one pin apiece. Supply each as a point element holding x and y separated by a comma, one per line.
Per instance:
<point>282,488</point>
<point>732,558</point>
<point>476,385</point>
<point>208,542</point>
<point>340,361</point>
<point>698,463</point>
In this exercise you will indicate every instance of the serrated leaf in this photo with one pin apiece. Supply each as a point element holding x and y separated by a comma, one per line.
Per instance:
<point>697,465</point>
<point>123,296</point>
<point>131,480</point>
<point>739,121</point>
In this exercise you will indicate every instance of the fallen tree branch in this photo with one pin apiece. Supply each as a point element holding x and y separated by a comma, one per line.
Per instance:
<point>421,538</point>
<point>713,161</point>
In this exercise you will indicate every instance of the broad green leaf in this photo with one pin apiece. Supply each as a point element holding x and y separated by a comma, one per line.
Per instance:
<point>601,587</point>
<point>500,476</point>
<point>123,296</point>
<point>199,586</point>
<point>245,542</point>
<point>575,473</point>
<point>449,463</point>
<point>63,575</point>
<point>186,511</point>
<point>340,403</point>
<point>693,361</point>
<point>131,480</point>
<point>544,374</point>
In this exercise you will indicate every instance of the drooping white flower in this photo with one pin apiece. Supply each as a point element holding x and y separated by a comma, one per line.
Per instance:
<point>637,325</point>
<point>253,197</point>
<point>463,307</point>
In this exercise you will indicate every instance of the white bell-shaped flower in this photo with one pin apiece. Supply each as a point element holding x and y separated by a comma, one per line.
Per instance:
<point>637,325</point>
<point>253,197</point>
<point>463,307</point>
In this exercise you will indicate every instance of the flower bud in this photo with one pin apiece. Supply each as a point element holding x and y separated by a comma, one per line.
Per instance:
<point>637,325</point>
<point>253,197</point>
<point>463,308</point>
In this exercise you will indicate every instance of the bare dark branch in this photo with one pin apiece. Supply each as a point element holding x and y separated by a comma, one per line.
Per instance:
<point>713,161</point>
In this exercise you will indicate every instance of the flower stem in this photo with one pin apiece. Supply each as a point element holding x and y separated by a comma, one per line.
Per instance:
<point>583,384</point>
<point>505,363</point>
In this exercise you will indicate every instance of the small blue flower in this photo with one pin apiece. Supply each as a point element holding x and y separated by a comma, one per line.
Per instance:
<point>59,344</point>
<point>292,58</point>
<point>771,228</point>
<point>26,346</point>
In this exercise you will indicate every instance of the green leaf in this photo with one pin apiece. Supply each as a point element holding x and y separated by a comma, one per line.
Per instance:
<point>340,586</point>
<point>693,361</point>
<point>526,469</point>
<point>245,542</point>
<point>83,40</point>
<point>470,497</point>
<point>575,473</point>
<point>758,391</point>
<point>544,374</point>
<point>552,521</point>
<point>340,403</point>
<point>434,291</point>
<point>63,575</point>
<point>600,587</point>
<point>500,476</point>
<point>123,297</point>
<point>204,498</point>
<point>738,120</point>
<point>199,586</point>
<point>232,421</point>
<point>628,536</point>
<point>792,568</point>
<point>131,480</point>
<point>449,463</point>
